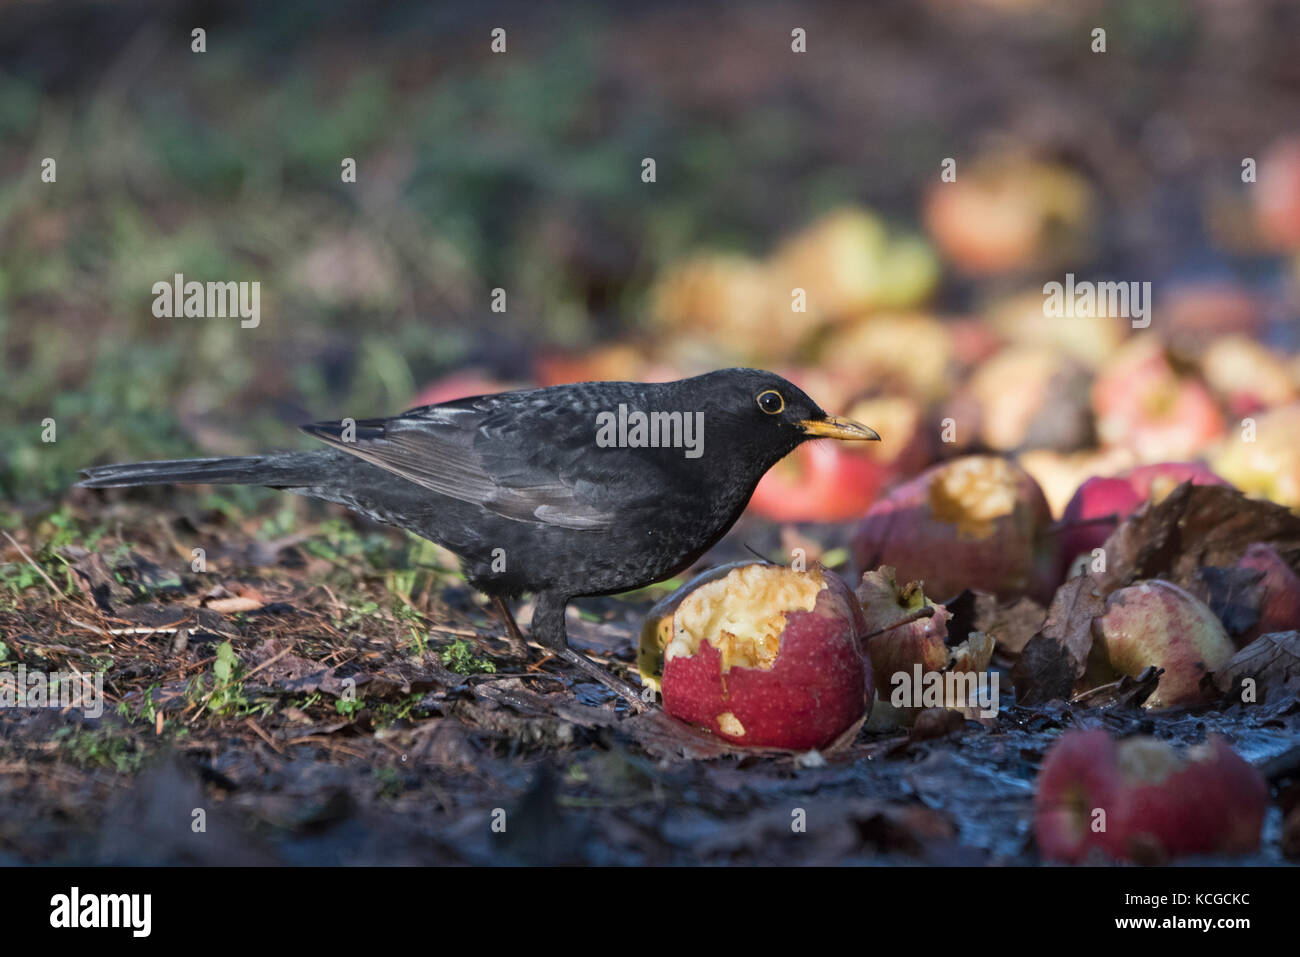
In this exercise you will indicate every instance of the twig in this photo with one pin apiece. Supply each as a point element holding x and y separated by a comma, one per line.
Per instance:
<point>54,589</point>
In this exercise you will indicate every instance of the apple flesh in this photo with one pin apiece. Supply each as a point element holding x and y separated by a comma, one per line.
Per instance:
<point>1139,798</point>
<point>1266,460</point>
<point>767,656</point>
<point>1157,623</point>
<point>975,522</point>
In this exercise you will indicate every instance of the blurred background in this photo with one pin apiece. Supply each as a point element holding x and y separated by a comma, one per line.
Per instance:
<point>775,171</point>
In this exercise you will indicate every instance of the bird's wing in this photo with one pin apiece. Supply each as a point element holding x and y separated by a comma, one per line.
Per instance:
<point>486,452</point>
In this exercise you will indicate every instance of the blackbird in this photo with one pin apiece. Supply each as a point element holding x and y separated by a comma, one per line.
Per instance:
<point>569,491</point>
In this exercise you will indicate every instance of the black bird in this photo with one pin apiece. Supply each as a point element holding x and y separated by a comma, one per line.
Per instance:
<point>569,491</point>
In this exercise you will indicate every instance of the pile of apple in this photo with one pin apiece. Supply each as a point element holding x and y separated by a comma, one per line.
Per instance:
<point>766,655</point>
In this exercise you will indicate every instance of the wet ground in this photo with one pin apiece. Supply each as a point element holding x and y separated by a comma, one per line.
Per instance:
<point>340,738</point>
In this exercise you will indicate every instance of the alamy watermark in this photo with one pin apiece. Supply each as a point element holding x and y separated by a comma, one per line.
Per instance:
<point>651,430</point>
<point>211,300</point>
<point>1086,299</point>
<point>21,688</point>
<point>74,909</point>
<point>945,689</point>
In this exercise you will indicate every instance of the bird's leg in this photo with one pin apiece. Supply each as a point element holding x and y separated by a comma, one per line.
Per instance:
<point>548,629</point>
<point>514,636</point>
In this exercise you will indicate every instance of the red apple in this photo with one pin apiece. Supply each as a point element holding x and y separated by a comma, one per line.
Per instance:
<point>1077,797</point>
<point>1280,605</point>
<point>976,522</point>
<point>461,385</point>
<point>1139,799</point>
<point>1094,513</point>
<point>768,656</point>
<point>1277,194</point>
<point>1157,623</point>
<point>1100,503</point>
<point>1142,403</point>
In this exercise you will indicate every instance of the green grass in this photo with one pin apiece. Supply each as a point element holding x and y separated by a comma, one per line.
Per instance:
<point>459,657</point>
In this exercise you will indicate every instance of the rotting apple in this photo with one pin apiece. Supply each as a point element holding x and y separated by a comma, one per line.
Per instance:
<point>1264,457</point>
<point>1008,213</point>
<point>908,353</point>
<point>1077,797</point>
<point>1101,503</point>
<point>729,302</point>
<point>763,655</point>
<point>1279,608</point>
<point>1141,799</point>
<point>1032,397</point>
<point>1059,474</point>
<point>1020,319</point>
<point>1157,623</point>
<point>849,264</point>
<point>1143,403</point>
<point>907,639</point>
<point>1209,800</point>
<point>1246,375</point>
<point>897,638</point>
<point>979,521</point>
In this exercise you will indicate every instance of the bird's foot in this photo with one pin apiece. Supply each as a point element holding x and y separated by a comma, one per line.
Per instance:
<point>514,637</point>
<point>617,685</point>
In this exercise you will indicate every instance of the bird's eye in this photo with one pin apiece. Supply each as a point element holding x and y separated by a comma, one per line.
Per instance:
<point>771,402</point>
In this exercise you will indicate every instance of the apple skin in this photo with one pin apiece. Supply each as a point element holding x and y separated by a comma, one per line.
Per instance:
<point>819,684</point>
<point>461,385</point>
<point>1080,774</point>
<point>820,482</point>
<point>951,543</point>
<point>1277,195</point>
<point>895,648</point>
<point>1142,403</point>
<point>1280,609</point>
<point>1157,623</point>
<point>1009,213</point>
<point>1084,523</point>
<point>1205,801</point>
<point>1214,804</point>
<point>1119,496</point>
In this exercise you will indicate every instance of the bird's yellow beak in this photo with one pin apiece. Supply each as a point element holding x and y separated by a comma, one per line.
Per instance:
<point>835,428</point>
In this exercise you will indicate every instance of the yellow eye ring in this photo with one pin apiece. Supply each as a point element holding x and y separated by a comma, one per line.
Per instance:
<point>765,402</point>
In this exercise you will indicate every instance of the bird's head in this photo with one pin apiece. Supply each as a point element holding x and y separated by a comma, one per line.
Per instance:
<point>775,413</point>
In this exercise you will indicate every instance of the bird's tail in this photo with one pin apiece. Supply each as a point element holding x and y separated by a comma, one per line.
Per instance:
<point>277,470</point>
